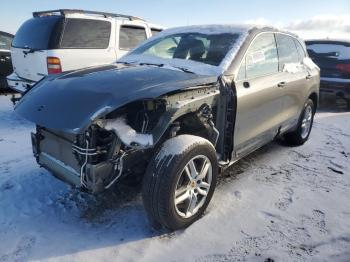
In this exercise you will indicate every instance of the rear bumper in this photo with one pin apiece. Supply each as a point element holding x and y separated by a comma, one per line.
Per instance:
<point>336,87</point>
<point>19,84</point>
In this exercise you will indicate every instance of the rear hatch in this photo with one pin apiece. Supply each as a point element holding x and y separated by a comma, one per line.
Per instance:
<point>30,45</point>
<point>333,58</point>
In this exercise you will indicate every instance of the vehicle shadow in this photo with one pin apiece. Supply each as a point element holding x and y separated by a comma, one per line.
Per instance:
<point>335,105</point>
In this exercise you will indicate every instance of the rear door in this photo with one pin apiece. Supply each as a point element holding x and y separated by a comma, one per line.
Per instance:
<point>85,42</point>
<point>29,47</point>
<point>129,36</point>
<point>297,78</point>
<point>259,99</point>
<point>5,56</point>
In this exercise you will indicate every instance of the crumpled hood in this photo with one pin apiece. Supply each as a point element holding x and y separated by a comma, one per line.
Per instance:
<point>71,101</point>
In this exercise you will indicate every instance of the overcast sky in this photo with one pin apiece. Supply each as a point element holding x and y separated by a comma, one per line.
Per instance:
<point>310,18</point>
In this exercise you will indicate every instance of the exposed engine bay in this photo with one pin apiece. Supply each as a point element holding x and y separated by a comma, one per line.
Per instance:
<point>121,142</point>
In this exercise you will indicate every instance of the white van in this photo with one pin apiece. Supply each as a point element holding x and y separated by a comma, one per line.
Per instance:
<point>61,40</point>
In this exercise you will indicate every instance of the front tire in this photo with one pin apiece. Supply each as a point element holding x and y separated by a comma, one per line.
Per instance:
<point>180,181</point>
<point>302,133</point>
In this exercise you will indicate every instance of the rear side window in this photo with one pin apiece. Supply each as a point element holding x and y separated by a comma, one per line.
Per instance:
<point>300,49</point>
<point>261,58</point>
<point>287,50</point>
<point>155,31</point>
<point>5,41</point>
<point>39,33</point>
<point>86,33</point>
<point>340,51</point>
<point>130,37</point>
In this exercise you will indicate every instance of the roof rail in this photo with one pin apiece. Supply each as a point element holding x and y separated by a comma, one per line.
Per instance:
<point>64,12</point>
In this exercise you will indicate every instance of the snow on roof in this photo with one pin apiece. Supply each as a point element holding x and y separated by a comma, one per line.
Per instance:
<point>207,29</point>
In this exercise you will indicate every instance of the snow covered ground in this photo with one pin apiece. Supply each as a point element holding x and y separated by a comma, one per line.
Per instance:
<point>280,203</point>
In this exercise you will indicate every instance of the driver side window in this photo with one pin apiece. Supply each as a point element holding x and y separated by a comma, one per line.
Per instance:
<point>261,58</point>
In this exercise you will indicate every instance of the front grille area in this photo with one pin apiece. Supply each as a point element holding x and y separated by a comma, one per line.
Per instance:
<point>59,146</point>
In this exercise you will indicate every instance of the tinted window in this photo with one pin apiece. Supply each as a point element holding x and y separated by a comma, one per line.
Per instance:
<point>209,49</point>
<point>130,37</point>
<point>86,33</point>
<point>261,57</point>
<point>287,50</point>
<point>155,31</point>
<point>39,33</point>
<point>5,41</point>
<point>340,51</point>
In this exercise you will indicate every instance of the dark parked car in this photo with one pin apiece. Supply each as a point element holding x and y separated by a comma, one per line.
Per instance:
<point>5,58</point>
<point>180,106</point>
<point>333,58</point>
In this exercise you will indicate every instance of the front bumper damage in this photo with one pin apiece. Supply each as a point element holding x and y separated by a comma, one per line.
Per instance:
<point>98,157</point>
<point>58,154</point>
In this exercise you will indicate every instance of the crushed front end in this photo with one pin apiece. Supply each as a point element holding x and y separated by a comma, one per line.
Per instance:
<point>122,142</point>
<point>90,160</point>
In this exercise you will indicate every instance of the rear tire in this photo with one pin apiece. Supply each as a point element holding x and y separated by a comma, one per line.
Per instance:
<point>302,133</point>
<point>180,181</point>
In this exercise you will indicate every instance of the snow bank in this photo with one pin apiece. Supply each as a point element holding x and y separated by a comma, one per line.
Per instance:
<point>127,134</point>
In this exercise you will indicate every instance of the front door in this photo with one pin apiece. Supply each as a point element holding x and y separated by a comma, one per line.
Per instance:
<point>259,96</point>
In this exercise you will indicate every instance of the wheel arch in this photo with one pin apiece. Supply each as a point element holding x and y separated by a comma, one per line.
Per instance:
<point>314,97</point>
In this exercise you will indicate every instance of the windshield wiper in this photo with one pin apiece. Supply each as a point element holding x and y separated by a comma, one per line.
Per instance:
<point>184,69</point>
<point>152,64</point>
<point>31,50</point>
<point>125,63</point>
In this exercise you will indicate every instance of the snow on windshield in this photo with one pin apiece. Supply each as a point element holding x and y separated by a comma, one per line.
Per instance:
<point>196,58</point>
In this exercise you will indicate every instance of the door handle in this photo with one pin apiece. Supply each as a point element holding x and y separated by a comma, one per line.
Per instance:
<point>282,84</point>
<point>308,77</point>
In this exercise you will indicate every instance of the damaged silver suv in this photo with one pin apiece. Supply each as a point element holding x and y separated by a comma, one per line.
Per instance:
<point>180,107</point>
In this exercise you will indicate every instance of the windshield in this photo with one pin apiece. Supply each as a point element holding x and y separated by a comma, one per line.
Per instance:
<point>204,48</point>
<point>38,33</point>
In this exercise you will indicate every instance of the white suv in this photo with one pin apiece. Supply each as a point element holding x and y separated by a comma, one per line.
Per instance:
<point>61,40</point>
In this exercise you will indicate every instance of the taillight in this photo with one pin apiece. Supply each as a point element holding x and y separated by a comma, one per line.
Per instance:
<point>53,65</point>
<point>343,67</point>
